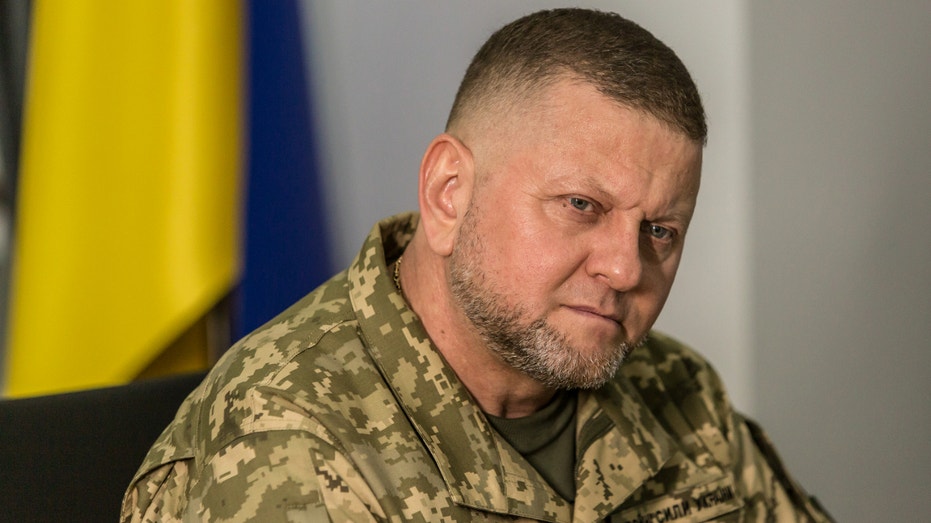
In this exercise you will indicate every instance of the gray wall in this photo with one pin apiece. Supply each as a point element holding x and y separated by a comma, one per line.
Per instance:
<point>807,275</point>
<point>842,248</point>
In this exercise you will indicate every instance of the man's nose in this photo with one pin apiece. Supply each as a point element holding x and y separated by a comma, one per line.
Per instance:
<point>614,257</point>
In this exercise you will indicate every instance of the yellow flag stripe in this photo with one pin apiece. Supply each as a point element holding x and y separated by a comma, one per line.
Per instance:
<point>128,210</point>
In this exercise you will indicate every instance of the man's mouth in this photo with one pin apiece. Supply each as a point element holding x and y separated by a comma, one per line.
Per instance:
<point>595,311</point>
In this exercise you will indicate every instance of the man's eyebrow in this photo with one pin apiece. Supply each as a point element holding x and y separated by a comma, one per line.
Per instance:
<point>584,182</point>
<point>681,216</point>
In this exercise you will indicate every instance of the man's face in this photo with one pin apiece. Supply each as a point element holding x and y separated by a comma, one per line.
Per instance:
<point>573,234</point>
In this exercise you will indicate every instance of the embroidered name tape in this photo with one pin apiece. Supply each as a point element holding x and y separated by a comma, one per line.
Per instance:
<point>699,503</point>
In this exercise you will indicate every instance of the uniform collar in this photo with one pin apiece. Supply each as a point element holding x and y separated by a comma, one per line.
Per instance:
<point>620,442</point>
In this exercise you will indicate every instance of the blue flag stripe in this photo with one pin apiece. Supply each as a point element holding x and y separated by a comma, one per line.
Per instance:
<point>286,246</point>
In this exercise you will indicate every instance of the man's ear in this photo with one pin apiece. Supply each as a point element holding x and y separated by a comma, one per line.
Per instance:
<point>445,189</point>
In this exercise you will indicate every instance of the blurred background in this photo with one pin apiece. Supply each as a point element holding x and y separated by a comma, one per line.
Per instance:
<point>174,175</point>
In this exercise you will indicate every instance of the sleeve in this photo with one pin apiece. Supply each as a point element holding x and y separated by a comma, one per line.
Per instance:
<point>769,488</point>
<point>273,476</point>
<point>155,495</point>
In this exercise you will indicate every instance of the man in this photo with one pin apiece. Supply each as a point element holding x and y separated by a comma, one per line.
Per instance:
<point>490,358</point>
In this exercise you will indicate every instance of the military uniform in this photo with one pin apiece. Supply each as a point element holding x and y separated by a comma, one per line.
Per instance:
<point>341,409</point>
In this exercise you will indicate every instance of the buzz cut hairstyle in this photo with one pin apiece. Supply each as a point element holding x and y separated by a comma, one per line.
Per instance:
<point>622,60</point>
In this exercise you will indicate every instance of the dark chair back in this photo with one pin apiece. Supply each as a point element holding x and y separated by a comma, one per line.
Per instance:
<point>70,457</point>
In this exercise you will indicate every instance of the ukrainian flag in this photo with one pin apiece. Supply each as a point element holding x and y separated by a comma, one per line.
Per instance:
<point>153,226</point>
<point>128,212</point>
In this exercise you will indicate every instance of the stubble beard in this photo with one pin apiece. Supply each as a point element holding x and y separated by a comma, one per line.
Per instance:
<point>532,346</point>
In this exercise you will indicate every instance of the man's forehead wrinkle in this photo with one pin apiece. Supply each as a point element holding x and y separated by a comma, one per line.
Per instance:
<point>621,173</point>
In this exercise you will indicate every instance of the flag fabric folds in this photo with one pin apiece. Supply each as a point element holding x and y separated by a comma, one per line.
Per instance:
<point>127,227</point>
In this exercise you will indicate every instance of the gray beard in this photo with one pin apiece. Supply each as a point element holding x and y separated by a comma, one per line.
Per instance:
<point>535,348</point>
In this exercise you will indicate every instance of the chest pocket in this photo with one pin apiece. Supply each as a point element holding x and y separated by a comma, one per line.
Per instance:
<point>710,501</point>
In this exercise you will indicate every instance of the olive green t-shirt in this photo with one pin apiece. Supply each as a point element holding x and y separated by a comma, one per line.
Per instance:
<point>546,439</point>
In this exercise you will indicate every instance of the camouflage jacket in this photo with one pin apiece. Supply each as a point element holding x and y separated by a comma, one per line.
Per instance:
<point>341,409</point>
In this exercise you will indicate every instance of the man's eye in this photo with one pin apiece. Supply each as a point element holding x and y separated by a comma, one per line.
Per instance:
<point>657,231</point>
<point>580,204</point>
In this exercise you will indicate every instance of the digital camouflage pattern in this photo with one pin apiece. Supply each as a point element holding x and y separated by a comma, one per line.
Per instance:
<point>340,409</point>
